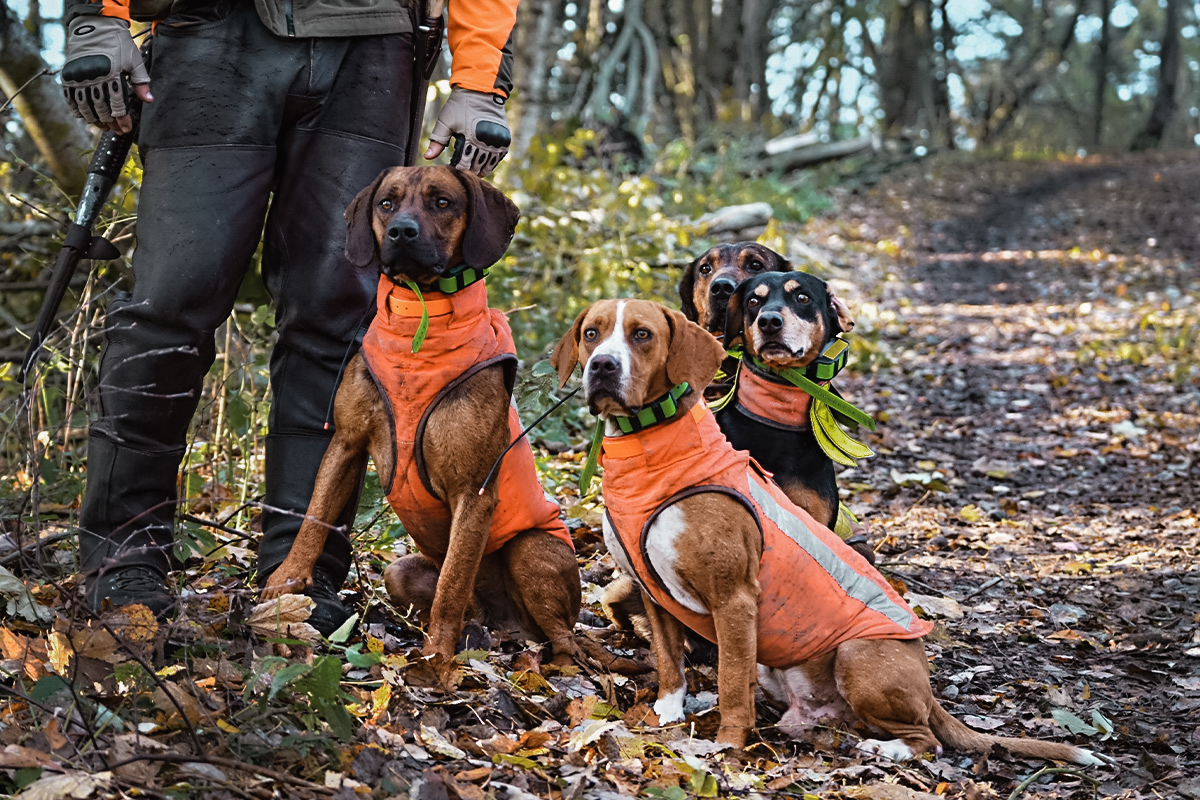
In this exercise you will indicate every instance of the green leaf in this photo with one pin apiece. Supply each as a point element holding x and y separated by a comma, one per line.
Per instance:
<point>1072,723</point>
<point>344,631</point>
<point>1103,724</point>
<point>325,680</point>
<point>25,776</point>
<point>358,658</point>
<point>47,687</point>
<point>337,717</point>
<point>285,676</point>
<point>517,761</point>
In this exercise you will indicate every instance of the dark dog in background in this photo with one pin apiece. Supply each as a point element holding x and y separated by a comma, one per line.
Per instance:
<point>710,280</point>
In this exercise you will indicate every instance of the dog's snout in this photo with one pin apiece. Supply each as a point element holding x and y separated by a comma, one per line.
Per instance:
<point>770,322</point>
<point>603,365</point>
<point>721,288</point>
<point>403,228</point>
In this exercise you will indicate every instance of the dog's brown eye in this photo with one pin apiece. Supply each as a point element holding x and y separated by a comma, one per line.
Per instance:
<point>641,334</point>
<point>803,299</point>
<point>756,265</point>
<point>386,205</point>
<point>442,202</point>
<point>590,334</point>
<point>704,269</point>
<point>753,302</point>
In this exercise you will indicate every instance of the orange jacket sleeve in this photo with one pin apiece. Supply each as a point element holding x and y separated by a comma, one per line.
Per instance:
<point>104,8</point>
<point>480,33</point>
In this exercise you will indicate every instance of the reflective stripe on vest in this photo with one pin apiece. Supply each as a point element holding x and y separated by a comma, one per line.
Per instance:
<point>815,591</point>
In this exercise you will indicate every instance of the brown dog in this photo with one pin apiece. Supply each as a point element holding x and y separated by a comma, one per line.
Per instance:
<point>709,281</point>
<point>435,421</point>
<point>719,548</point>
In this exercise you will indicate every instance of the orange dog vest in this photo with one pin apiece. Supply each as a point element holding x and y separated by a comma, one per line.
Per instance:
<point>816,592</point>
<point>464,337</point>
<point>779,405</point>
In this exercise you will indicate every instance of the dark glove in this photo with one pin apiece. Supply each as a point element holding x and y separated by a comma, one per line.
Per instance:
<point>100,51</point>
<point>477,123</point>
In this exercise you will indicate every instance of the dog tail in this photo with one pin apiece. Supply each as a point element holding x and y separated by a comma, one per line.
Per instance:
<point>958,736</point>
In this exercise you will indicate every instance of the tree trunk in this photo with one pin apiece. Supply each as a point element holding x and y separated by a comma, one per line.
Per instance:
<point>59,136</point>
<point>1168,82</point>
<point>906,82</point>
<point>534,51</point>
<point>1101,72</point>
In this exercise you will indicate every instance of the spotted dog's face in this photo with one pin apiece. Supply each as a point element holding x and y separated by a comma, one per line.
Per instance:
<point>633,352</point>
<point>709,281</point>
<point>417,223</point>
<point>785,319</point>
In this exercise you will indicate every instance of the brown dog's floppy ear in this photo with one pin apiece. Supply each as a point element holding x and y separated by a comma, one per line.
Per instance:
<point>735,317</point>
<point>566,352</point>
<point>695,355</point>
<point>491,221</point>
<point>687,290</point>
<point>361,249</point>
<point>841,311</point>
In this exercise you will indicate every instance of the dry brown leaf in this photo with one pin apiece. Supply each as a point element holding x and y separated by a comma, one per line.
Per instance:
<point>887,791</point>
<point>499,743</point>
<point>183,699</point>
<point>126,746</point>
<point>16,757</point>
<point>285,617</point>
<point>69,784</point>
<point>53,736</point>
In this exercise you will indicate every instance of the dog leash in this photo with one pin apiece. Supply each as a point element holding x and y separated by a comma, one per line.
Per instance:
<point>358,331</point>
<point>553,407</point>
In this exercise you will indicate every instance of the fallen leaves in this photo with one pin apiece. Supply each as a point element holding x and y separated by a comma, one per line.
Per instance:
<point>285,617</point>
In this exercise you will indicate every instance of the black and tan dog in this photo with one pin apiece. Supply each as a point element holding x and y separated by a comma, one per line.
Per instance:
<point>710,280</point>
<point>428,400</point>
<point>783,320</point>
<point>719,548</point>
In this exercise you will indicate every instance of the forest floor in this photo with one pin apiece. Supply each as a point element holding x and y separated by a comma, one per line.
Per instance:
<point>1030,330</point>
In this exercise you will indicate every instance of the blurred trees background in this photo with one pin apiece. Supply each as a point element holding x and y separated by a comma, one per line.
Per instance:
<point>632,119</point>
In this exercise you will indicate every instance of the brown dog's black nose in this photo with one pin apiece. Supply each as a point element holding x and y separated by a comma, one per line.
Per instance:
<point>603,365</point>
<point>770,322</point>
<point>403,228</point>
<point>721,288</point>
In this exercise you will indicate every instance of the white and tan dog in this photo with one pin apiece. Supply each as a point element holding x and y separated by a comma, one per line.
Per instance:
<point>717,547</point>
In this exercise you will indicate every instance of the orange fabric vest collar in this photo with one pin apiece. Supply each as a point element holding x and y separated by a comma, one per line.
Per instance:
<point>778,404</point>
<point>465,336</point>
<point>816,592</point>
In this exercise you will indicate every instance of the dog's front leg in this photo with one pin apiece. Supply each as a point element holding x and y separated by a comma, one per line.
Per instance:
<point>736,621</point>
<point>339,475</point>
<point>667,637</point>
<point>469,529</point>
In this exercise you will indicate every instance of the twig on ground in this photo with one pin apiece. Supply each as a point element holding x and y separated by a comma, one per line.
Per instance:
<point>228,763</point>
<point>1025,784</point>
<point>44,541</point>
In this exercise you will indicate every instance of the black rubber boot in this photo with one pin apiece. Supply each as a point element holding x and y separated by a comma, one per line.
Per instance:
<point>292,464</point>
<point>126,525</point>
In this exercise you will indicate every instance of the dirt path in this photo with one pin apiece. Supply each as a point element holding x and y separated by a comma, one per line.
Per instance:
<point>1035,332</point>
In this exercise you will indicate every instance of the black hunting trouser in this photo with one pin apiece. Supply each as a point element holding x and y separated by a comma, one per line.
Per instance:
<point>246,128</point>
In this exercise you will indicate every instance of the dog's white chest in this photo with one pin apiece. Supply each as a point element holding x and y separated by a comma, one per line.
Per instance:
<point>661,553</point>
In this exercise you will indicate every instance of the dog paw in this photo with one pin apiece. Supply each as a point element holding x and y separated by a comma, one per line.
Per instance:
<point>893,749</point>
<point>280,584</point>
<point>1088,759</point>
<point>669,708</point>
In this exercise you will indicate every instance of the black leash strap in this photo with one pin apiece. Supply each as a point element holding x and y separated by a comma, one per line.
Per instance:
<point>532,425</point>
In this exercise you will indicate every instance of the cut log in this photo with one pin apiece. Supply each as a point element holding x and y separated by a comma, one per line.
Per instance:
<point>821,152</point>
<point>792,141</point>
<point>735,218</point>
